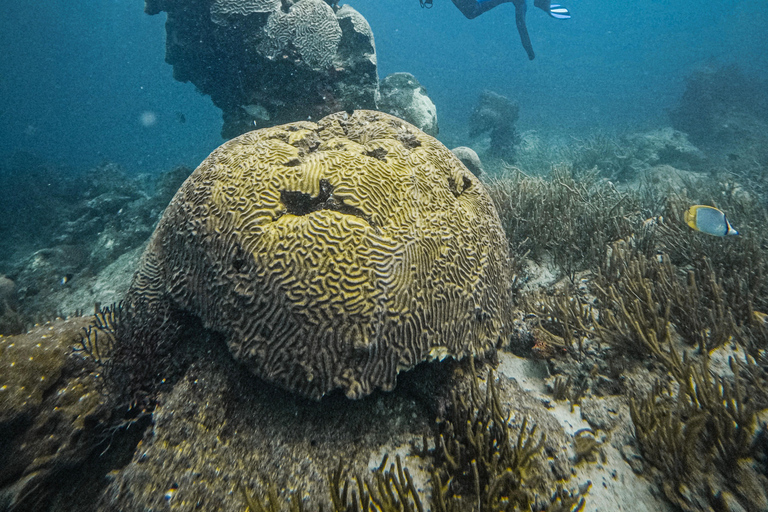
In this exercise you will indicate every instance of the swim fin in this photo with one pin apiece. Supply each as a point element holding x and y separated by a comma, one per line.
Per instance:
<point>559,12</point>
<point>554,10</point>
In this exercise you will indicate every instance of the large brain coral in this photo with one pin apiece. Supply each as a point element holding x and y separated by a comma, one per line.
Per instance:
<point>333,254</point>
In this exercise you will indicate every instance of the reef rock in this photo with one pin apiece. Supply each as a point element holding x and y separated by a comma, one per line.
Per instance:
<point>496,114</point>
<point>265,62</point>
<point>723,108</point>
<point>404,97</point>
<point>331,255</point>
<point>470,159</point>
<point>666,146</point>
<point>52,421</point>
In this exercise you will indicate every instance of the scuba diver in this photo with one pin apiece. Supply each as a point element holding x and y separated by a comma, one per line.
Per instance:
<point>473,8</point>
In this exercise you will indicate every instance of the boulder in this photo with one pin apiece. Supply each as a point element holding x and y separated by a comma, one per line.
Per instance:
<point>404,97</point>
<point>470,159</point>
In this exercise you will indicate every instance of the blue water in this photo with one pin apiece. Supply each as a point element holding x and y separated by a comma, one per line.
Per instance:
<point>78,77</point>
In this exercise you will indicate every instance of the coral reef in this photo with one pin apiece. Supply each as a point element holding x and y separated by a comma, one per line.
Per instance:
<point>645,343</point>
<point>269,62</point>
<point>404,97</point>
<point>63,236</point>
<point>644,299</point>
<point>496,114</point>
<point>725,109</point>
<point>330,255</point>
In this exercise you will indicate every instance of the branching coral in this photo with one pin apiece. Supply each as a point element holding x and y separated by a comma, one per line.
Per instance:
<point>134,367</point>
<point>700,437</point>
<point>599,153</point>
<point>643,300</point>
<point>483,463</point>
<point>387,490</point>
<point>566,219</point>
<point>476,448</point>
<point>564,318</point>
<point>105,321</point>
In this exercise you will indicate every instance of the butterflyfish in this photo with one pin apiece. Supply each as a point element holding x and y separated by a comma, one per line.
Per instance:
<point>710,220</point>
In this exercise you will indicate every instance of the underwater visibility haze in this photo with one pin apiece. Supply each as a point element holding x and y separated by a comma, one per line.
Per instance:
<point>76,79</point>
<point>384,255</point>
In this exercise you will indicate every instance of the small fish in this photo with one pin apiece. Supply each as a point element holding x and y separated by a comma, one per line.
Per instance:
<point>256,111</point>
<point>180,117</point>
<point>66,279</point>
<point>710,220</point>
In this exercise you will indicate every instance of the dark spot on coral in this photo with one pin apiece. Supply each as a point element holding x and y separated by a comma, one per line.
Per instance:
<point>299,203</point>
<point>457,189</point>
<point>293,162</point>
<point>239,261</point>
<point>408,139</point>
<point>378,154</point>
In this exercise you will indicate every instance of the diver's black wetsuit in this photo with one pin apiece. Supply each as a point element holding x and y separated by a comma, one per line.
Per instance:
<point>474,8</point>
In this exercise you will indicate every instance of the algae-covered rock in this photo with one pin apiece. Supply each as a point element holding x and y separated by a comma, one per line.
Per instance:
<point>52,416</point>
<point>219,429</point>
<point>666,146</point>
<point>331,255</point>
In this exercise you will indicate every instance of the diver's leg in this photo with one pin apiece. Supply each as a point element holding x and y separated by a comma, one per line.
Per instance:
<point>520,9</point>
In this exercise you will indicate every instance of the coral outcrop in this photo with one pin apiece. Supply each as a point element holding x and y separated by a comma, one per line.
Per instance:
<point>722,106</point>
<point>266,62</point>
<point>665,146</point>
<point>404,97</point>
<point>331,255</point>
<point>496,115</point>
